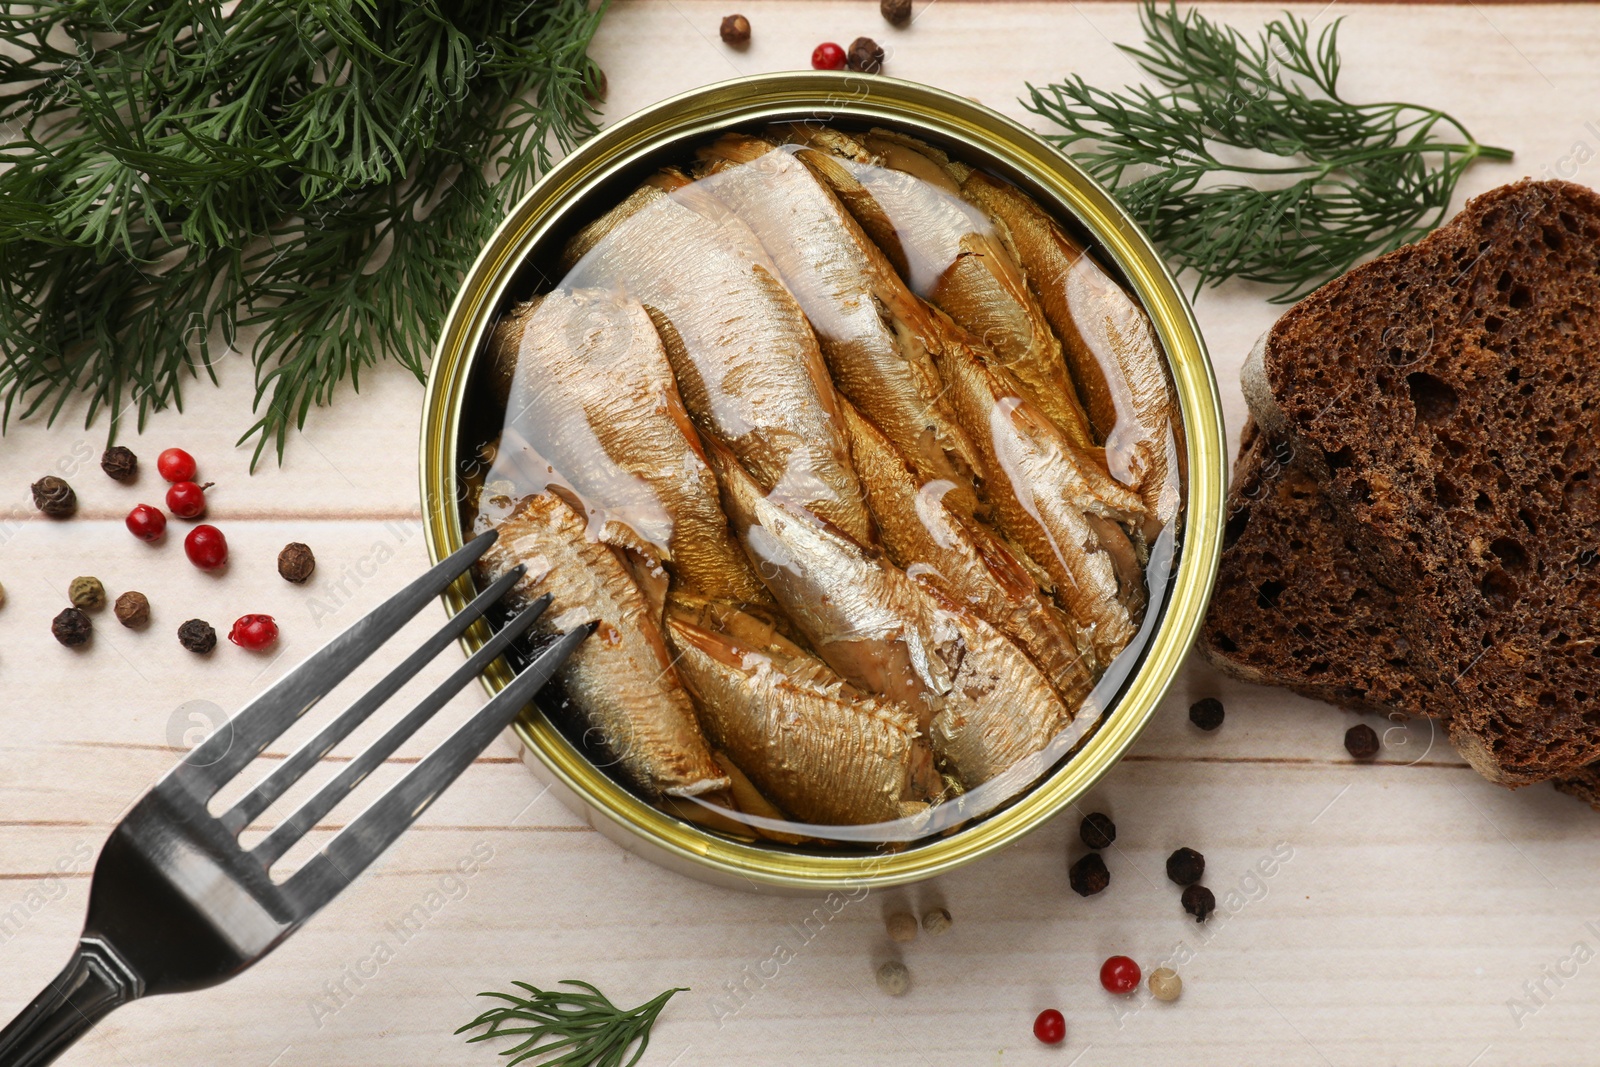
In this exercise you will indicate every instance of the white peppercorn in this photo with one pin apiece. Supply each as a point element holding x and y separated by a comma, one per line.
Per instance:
<point>902,926</point>
<point>1165,984</point>
<point>893,978</point>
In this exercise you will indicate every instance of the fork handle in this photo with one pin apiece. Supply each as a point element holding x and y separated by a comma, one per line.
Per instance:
<point>93,982</point>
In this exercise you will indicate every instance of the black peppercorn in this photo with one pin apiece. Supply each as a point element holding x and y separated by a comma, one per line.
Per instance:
<point>1089,875</point>
<point>896,11</point>
<point>71,627</point>
<point>1097,830</point>
<point>197,636</point>
<point>1199,902</point>
<point>1185,866</point>
<point>736,31</point>
<point>1207,713</point>
<point>133,609</point>
<point>1361,741</point>
<point>119,463</point>
<point>296,563</point>
<point>54,497</point>
<point>865,56</point>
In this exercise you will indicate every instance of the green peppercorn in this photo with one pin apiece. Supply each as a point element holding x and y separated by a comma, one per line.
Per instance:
<point>87,594</point>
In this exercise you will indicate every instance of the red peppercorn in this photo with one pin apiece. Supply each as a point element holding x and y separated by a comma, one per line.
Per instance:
<point>254,632</point>
<point>1050,1027</point>
<point>206,547</point>
<point>146,523</point>
<point>176,465</point>
<point>187,500</point>
<point>1119,974</point>
<point>828,56</point>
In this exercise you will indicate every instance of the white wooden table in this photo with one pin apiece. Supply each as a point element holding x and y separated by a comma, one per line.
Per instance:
<point>1422,916</point>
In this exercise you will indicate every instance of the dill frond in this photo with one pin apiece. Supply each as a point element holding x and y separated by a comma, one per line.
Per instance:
<point>1243,160</point>
<point>325,171</point>
<point>567,1028</point>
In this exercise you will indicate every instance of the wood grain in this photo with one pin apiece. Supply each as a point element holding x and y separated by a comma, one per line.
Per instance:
<point>1414,914</point>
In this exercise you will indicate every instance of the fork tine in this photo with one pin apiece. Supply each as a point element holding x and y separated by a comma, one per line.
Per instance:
<point>358,844</point>
<point>286,833</point>
<point>303,759</point>
<point>222,755</point>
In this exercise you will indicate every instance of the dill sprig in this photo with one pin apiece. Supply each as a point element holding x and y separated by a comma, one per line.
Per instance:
<point>1246,162</point>
<point>583,1029</point>
<point>322,170</point>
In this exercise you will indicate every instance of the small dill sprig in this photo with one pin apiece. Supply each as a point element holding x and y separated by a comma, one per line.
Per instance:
<point>322,171</point>
<point>1246,162</point>
<point>583,1029</point>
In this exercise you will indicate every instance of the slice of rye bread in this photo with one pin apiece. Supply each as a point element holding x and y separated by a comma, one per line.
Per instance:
<point>1294,607</point>
<point>1445,397</point>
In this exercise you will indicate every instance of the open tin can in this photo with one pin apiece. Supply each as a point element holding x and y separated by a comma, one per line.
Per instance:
<point>600,174</point>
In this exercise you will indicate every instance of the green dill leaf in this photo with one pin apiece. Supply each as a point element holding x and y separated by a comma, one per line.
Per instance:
<point>1245,161</point>
<point>323,171</point>
<point>562,1028</point>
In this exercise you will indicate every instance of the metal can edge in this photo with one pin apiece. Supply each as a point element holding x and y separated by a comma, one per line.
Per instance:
<point>989,135</point>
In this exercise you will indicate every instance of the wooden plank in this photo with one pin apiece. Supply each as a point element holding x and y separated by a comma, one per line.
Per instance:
<point>1421,915</point>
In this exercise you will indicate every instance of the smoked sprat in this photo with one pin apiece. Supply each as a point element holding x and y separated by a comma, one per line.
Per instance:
<point>856,459</point>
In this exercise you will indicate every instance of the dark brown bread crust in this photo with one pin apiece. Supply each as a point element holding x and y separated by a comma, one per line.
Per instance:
<point>1294,607</point>
<point>1585,785</point>
<point>1446,398</point>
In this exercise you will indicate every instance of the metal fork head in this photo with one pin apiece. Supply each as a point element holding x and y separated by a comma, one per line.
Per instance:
<point>186,905</point>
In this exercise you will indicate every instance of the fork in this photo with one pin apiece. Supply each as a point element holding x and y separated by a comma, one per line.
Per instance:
<point>177,903</point>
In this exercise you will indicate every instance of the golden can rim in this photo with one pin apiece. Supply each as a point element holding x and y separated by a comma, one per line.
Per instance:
<point>990,136</point>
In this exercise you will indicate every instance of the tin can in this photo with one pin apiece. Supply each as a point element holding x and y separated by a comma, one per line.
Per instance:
<point>599,174</point>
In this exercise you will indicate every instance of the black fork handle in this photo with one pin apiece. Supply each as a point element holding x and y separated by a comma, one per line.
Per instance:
<point>93,982</point>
